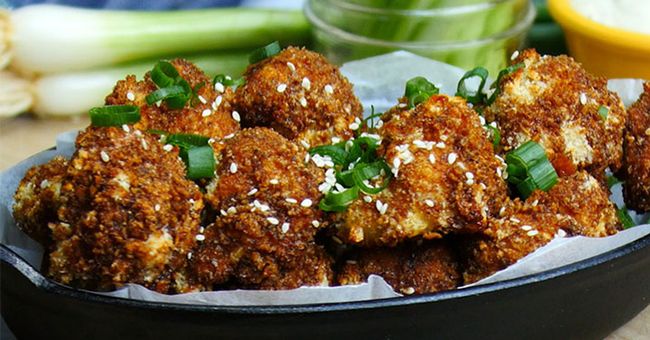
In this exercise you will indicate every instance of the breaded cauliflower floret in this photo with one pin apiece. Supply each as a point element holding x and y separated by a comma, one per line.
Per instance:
<point>636,163</point>
<point>127,214</point>
<point>446,177</point>
<point>555,102</point>
<point>299,94</point>
<point>521,229</point>
<point>37,199</point>
<point>267,199</point>
<point>427,268</point>
<point>210,114</point>
<point>583,198</point>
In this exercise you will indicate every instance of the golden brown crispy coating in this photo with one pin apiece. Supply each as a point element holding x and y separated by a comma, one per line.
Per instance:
<point>127,214</point>
<point>299,94</point>
<point>555,102</point>
<point>37,199</point>
<point>428,268</point>
<point>636,162</point>
<point>583,198</point>
<point>522,229</point>
<point>210,114</point>
<point>447,177</point>
<point>267,198</point>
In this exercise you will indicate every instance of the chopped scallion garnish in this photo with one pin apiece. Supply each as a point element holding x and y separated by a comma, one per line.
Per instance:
<point>502,73</point>
<point>172,88</point>
<point>338,201</point>
<point>228,81</point>
<point>612,181</point>
<point>264,52</point>
<point>529,169</point>
<point>625,218</point>
<point>195,151</point>
<point>495,134</point>
<point>477,96</point>
<point>114,115</point>
<point>418,90</point>
<point>603,111</point>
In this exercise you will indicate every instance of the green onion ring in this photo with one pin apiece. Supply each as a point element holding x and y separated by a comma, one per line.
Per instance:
<point>264,52</point>
<point>114,115</point>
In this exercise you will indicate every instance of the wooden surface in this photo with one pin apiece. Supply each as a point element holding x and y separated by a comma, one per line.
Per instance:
<point>23,136</point>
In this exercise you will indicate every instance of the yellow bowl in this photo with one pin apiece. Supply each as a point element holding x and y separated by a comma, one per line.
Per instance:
<point>603,50</point>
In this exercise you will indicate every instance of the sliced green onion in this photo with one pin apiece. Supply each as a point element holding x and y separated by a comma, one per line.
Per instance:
<point>228,81</point>
<point>186,140</point>
<point>114,115</point>
<point>502,73</point>
<point>625,218</point>
<point>603,111</point>
<point>418,90</point>
<point>495,134</point>
<point>164,74</point>
<point>529,169</point>
<point>612,181</point>
<point>523,158</point>
<point>165,93</point>
<point>526,187</point>
<point>336,152</point>
<point>477,96</point>
<point>543,174</point>
<point>264,52</point>
<point>364,172</point>
<point>339,201</point>
<point>200,162</point>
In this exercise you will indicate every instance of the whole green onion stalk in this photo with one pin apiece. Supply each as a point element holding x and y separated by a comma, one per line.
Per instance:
<point>74,93</point>
<point>41,39</point>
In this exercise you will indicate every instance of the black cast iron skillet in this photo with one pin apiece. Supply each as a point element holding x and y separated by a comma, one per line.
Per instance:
<point>585,300</point>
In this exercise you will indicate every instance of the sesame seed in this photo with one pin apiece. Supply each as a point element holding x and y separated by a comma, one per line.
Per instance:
<point>305,144</point>
<point>273,220</point>
<point>502,210</point>
<point>232,210</point>
<point>45,183</point>
<point>440,145</point>
<point>526,228</point>
<point>291,200</point>
<point>432,158</point>
<point>381,207</point>
<point>236,117</point>
<point>202,100</point>
<point>452,158</point>
<point>217,102</point>
<point>104,156</point>
<point>130,96</point>
<point>223,212</point>
<point>583,98</point>
<point>126,128</point>
<point>335,140</point>
<point>229,136</point>
<point>281,88</point>
<point>515,220</point>
<point>144,144</point>
<point>483,186</point>
<point>367,198</point>
<point>423,144</point>
<point>200,237</point>
<point>206,113</point>
<point>514,55</point>
<point>274,181</point>
<point>306,84</point>
<point>156,207</point>
<point>499,172</point>
<point>291,66</point>
<point>532,233</point>
<point>233,167</point>
<point>189,255</point>
<point>219,87</point>
<point>469,175</point>
<point>315,223</point>
<point>560,233</point>
<point>408,291</point>
<point>285,227</point>
<point>353,126</point>
<point>306,203</point>
<point>303,102</point>
<point>168,147</point>
<point>329,89</point>
<point>429,203</point>
<point>647,132</point>
<point>444,138</point>
<point>262,207</point>
<point>252,192</point>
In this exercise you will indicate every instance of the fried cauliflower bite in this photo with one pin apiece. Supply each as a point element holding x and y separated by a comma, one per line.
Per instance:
<point>446,177</point>
<point>267,198</point>
<point>210,114</point>
<point>555,102</point>
<point>521,229</point>
<point>299,94</point>
<point>127,214</point>
<point>37,199</point>
<point>636,162</point>
<point>584,199</point>
<point>427,268</point>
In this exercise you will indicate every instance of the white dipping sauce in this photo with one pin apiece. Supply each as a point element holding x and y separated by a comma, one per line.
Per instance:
<point>630,15</point>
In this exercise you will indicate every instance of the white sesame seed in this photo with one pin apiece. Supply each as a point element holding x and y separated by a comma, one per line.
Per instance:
<point>305,144</point>
<point>291,66</point>
<point>514,55</point>
<point>367,198</point>
<point>274,181</point>
<point>233,167</point>
<point>130,96</point>
<point>440,145</point>
<point>502,210</point>
<point>560,233</point>
<point>219,87</point>
<point>189,255</point>
<point>499,172</point>
<point>432,158</point>
<point>353,126</point>
<point>144,144</point>
<point>307,157</point>
<point>315,223</point>
<point>168,147</point>
<point>381,207</point>
<point>647,132</point>
<point>526,228</point>
<point>217,102</point>
<point>408,290</point>
<point>443,138</point>
<point>223,212</point>
<point>273,220</point>
<point>156,207</point>
<point>126,128</point>
<point>452,158</point>
<point>281,88</point>
<point>469,175</point>
<point>229,136</point>
<point>236,117</point>
<point>104,156</point>
<point>515,220</point>
<point>45,183</point>
<point>483,186</point>
<point>306,203</point>
<point>329,89</point>
<point>303,102</point>
<point>532,233</point>
<point>285,227</point>
<point>336,140</point>
<point>206,113</point>
<point>306,84</point>
<point>200,237</point>
<point>252,192</point>
<point>232,210</point>
<point>429,203</point>
<point>202,100</point>
<point>583,98</point>
<point>291,200</point>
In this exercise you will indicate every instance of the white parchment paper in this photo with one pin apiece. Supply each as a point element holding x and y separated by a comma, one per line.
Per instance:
<point>378,81</point>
